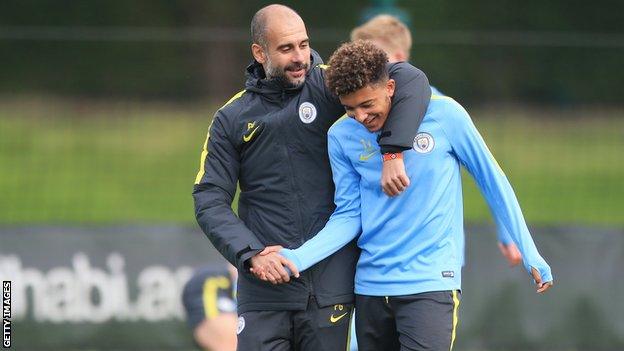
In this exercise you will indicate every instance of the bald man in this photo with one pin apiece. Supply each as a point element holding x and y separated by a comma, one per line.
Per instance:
<point>271,139</point>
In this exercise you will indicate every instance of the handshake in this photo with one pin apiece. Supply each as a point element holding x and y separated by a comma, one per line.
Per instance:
<point>270,266</point>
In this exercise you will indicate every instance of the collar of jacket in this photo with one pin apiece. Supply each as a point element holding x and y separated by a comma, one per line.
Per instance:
<point>271,89</point>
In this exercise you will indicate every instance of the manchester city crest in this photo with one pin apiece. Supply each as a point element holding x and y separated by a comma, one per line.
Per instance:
<point>423,143</point>
<point>240,325</point>
<point>307,112</point>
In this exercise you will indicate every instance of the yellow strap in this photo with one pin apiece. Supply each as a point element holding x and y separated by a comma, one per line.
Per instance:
<point>455,317</point>
<point>351,321</point>
<point>440,97</point>
<point>344,117</point>
<point>211,287</point>
<point>204,153</point>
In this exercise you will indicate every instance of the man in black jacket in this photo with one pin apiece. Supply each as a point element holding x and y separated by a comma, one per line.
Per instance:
<point>271,139</point>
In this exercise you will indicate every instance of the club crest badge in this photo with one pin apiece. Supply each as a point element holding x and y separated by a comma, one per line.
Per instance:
<point>241,325</point>
<point>423,143</point>
<point>307,112</point>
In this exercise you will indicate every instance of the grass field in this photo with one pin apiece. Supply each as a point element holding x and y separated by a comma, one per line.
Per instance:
<point>120,162</point>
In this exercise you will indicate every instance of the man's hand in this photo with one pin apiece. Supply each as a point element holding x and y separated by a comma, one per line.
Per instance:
<point>541,287</point>
<point>267,250</point>
<point>268,265</point>
<point>393,177</point>
<point>511,253</point>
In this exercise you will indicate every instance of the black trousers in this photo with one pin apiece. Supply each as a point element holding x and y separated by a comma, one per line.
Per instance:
<point>315,329</point>
<point>425,321</point>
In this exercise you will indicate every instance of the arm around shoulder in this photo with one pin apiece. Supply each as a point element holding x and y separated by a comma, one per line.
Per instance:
<point>409,105</point>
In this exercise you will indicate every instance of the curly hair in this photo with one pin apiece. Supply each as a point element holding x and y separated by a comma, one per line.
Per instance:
<point>355,65</point>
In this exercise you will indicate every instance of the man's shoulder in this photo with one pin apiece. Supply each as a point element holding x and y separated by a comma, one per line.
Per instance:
<point>316,76</point>
<point>234,105</point>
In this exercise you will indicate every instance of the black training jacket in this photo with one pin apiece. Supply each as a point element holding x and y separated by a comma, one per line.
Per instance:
<point>273,142</point>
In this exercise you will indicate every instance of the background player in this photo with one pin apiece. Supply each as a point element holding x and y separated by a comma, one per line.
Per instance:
<point>210,306</point>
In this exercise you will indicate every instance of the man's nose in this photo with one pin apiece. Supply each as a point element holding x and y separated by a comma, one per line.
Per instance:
<point>297,55</point>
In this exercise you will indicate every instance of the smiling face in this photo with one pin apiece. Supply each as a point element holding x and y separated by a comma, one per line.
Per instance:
<point>286,55</point>
<point>370,105</point>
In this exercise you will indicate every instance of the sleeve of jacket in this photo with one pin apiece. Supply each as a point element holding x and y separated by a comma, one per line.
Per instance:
<point>214,190</point>
<point>409,105</point>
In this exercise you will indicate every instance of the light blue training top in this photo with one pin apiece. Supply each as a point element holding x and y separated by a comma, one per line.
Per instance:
<point>414,242</point>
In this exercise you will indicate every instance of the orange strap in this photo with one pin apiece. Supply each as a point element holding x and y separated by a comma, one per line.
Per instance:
<point>392,156</point>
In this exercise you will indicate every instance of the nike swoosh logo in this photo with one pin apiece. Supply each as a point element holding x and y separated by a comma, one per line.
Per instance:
<point>248,137</point>
<point>335,319</point>
<point>367,156</point>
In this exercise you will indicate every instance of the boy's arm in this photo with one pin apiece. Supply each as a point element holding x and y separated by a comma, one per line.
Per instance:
<point>472,151</point>
<point>344,224</point>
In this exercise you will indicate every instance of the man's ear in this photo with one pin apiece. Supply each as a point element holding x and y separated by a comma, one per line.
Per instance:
<point>390,85</point>
<point>258,53</point>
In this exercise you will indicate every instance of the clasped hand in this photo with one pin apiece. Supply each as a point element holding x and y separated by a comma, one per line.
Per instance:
<point>269,265</point>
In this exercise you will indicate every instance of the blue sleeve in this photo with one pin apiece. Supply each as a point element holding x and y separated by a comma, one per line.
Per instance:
<point>474,154</point>
<point>502,233</point>
<point>344,224</point>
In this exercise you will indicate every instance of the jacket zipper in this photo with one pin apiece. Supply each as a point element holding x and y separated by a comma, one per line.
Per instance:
<point>308,273</point>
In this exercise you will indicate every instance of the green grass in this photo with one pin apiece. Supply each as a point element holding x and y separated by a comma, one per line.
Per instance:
<point>114,162</point>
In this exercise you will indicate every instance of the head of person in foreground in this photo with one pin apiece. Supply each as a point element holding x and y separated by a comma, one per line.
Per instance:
<point>358,75</point>
<point>281,44</point>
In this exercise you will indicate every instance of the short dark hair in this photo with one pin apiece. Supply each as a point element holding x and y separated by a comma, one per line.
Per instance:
<point>355,65</point>
<point>258,28</point>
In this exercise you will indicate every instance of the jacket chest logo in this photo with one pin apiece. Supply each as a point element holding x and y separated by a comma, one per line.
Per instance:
<point>307,112</point>
<point>252,128</point>
<point>423,143</point>
<point>369,150</point>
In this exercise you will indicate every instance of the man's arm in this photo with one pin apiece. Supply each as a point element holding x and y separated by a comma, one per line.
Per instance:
<point>344,224</point>
<point>213,193</point>
<point>409,105</point>
<point>470,148</point>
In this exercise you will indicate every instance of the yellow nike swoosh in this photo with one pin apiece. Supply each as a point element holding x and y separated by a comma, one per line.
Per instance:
<point>248,137</point>
<point>335,319</point>
<point>367,156</point>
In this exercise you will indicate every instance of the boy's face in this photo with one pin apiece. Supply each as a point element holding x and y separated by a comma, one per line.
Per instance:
<point>370,105</point>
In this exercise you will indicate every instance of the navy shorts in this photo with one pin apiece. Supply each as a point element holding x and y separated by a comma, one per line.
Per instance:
<point>315,329</point>
<point>425,321</point>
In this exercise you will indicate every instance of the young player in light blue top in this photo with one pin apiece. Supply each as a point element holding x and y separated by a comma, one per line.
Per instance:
<point>409,270</point>
<point>393,36</point>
